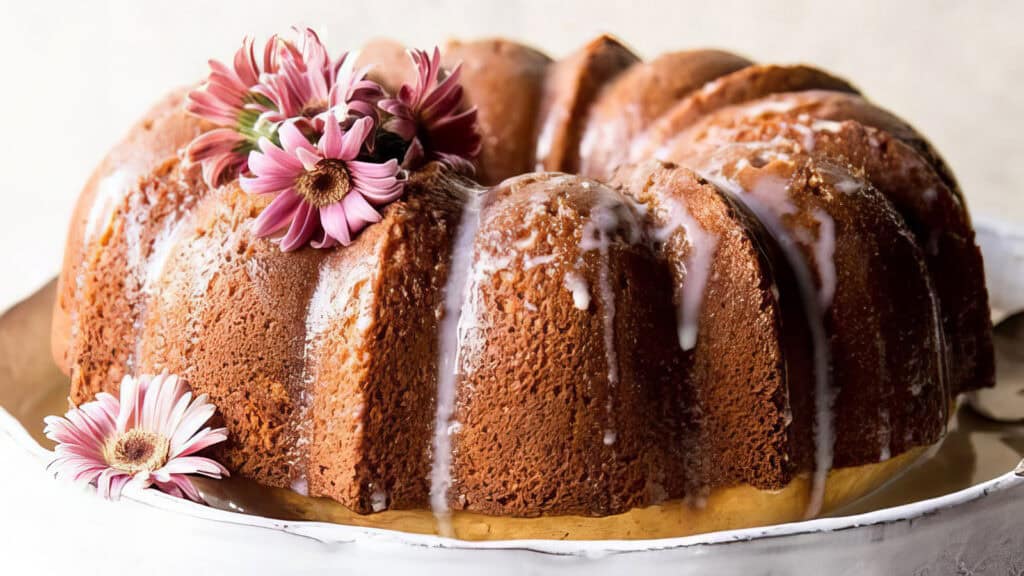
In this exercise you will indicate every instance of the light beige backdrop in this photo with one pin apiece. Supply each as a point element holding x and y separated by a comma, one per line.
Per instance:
<point>77,74</point>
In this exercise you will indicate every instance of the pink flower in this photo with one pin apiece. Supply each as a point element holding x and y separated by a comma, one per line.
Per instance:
<point>309,84</point>
<point>227,100</point>
<point>427,116</point>
<point>323,192</point>
<point>352,94</point>
<point>297,80</point>
<point>222,153</point>
<point>149,438</point>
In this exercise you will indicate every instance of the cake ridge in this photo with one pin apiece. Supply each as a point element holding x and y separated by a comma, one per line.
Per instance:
<point>824,395</point>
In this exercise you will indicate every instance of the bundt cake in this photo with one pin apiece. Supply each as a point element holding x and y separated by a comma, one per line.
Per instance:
<point>667,297</point>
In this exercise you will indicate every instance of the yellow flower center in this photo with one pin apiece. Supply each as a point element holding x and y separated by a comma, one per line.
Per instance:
<point>136,451</point>
<point>327,183</point>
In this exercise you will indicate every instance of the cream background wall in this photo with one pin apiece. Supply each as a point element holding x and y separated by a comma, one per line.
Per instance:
<point>77,74</point>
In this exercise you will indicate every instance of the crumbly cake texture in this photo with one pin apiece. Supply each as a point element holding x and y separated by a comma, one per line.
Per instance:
<point>726,274</point>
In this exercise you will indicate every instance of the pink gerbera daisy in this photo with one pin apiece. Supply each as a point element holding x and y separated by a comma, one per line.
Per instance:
<point>149,437</point>
<point>228,101</point>
<point>427,116</point>
<point>322,192</point>
<point>309,84</point>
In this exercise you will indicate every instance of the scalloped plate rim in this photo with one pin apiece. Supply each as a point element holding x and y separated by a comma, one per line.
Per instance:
<point>329,533</point>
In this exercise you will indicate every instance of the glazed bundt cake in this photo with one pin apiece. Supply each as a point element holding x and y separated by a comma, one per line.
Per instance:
<point>669,297</point>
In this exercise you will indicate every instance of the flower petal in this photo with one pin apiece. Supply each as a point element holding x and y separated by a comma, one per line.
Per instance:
<point>359,212</point>
<point>203,439</point>
<point>274,162</point>
<point>292,139</point>
<point>180,486</point>
<point>372,170</point>
<point>302,228</point>
<point>277,214</point>
<point>330,142</point>
<point>194,418</point>
<point>265,184</point>
<point>194,465</point>
<point>309,159</point>
<point>335,223</point>
<point>353,140</point>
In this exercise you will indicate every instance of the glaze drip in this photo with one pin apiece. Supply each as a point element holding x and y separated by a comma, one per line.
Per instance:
<point>696,267</point>
<point>599,233</point>
<point>824,437</point>
<point>460,275</point>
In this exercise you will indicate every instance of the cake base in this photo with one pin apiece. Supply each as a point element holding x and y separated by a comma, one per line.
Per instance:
<point>725,508</point>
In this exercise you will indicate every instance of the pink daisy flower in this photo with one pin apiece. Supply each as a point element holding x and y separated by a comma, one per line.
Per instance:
<point>228,101</point>
<point>353,95</point>
<point>309,84</point>
<point>427,116</point>
<point>149,437</point>
<point>322,192</point>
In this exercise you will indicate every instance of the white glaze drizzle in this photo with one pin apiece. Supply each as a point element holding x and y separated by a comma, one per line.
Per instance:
<point>110,191</point>
<point>609,438</point>
<point>449,336</point>
<point>300,486</point>
<point>149,268</point>
<point>696,267</point>
<point>773,193</point>
<point>827,126</point>
<point>556,117</point>
<point>766,107</point>
<point>824,438</point>
<point>534,261</point>
<point>378,500</point>
<point>136,269</point>
<point>156,269</point>
<point>824,256</point>
<point>885,434</point>
<point>942,358</point>
<point>577,285</point>
<point>473,325</point>
<point>809,138</point>
<point>840,178</point>
<point>598,234</point>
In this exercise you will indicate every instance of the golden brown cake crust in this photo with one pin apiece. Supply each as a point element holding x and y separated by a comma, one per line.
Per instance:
<point>875,307</point>
<point>748,332</point>
<point>157,137</point>
<point>390,65</point>
<point>505,81</point>
<point>621,344</point>
<point>744,85</point>
<point>638,97</point>
<point>572,85</point>
<point>893,162</point>
<point>372,354</point>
